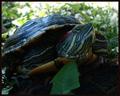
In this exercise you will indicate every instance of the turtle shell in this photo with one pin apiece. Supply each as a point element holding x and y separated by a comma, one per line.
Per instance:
<point>35,28</point>
<point>34,42</point>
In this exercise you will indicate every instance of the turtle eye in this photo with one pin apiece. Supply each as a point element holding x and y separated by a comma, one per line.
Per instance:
<point>76,29</point>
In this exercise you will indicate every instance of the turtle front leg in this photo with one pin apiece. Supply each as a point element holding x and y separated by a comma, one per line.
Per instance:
<point>55,65</point>
<point>90,59</point>
<point>52,66</point>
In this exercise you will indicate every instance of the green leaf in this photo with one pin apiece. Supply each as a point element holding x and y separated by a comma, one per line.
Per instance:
<point>5,91</point>
<point>66,79</point>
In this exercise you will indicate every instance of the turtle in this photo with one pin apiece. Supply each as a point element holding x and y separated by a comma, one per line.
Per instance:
<point>46,44</point>
<point>81,44</point>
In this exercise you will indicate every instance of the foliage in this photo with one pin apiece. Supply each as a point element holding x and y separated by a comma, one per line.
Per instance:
<point>105,19</point>
<point>9,13</point>
<point>66,79</point>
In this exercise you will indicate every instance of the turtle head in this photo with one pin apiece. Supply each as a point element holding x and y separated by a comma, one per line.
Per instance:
<point>77,42</point>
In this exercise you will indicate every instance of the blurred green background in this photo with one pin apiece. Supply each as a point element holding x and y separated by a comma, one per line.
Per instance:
<point>103,15</point>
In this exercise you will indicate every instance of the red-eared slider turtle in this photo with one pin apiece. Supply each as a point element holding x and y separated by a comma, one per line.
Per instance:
<point>81,43</point>
<point>42,40</point>
<point>34,42</point>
